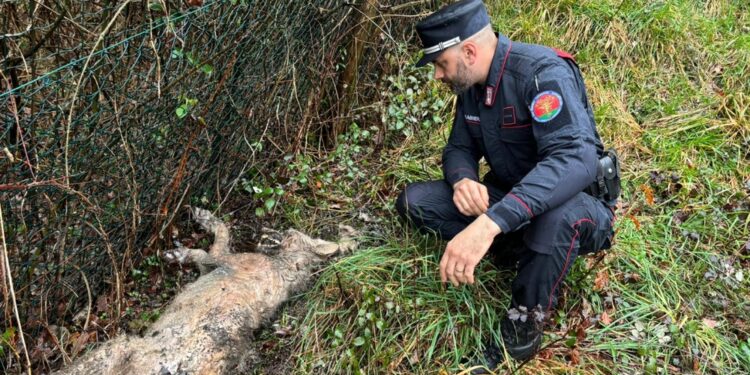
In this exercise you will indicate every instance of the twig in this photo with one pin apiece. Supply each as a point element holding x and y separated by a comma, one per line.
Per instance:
<point>163,209</point>
<point>133,188</point>
<point>62,12</point>
<point>80,80</point>
<point>53,183</point>
<point>396,8</point>
<point>153,45</point>
<point>32,50</point>
<point>251,159</point>
<point>108,245</point>
<point>28,28</point>
<point>6,264</point>
<point>88,293</point>
<point>11,187</point>
<point>14,109</point>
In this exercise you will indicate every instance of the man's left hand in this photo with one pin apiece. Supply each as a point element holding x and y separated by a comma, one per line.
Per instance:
<point>465,251</point>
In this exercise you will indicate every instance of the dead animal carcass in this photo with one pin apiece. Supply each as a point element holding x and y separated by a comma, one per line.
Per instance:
<point>207,329</point>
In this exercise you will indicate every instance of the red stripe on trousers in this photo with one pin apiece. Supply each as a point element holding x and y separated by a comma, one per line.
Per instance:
<point>567,259</point>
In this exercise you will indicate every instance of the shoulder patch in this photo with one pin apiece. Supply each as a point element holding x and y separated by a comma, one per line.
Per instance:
<point>546,106</point>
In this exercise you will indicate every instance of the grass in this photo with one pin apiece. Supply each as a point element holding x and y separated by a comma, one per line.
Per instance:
<point>670,81</point>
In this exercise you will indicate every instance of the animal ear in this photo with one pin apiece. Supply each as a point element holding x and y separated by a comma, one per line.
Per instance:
<point>347,232</point>
<point>325,249</point>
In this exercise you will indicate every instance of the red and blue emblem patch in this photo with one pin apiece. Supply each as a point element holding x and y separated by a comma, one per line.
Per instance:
<point>546,106</point>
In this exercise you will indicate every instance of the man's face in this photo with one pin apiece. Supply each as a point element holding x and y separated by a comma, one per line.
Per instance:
<point>451,69</point>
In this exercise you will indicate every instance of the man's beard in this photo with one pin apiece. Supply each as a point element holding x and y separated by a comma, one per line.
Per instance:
<point>462,81</point>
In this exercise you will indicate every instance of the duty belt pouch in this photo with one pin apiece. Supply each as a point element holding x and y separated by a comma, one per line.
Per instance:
<point>608,176</point>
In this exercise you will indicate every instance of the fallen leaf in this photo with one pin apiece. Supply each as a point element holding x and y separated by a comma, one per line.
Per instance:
<point>635,221</point>
<point>710,323</point>
<point>80,342</point>
<point>631,277</point>
<point>656,177</point>
<point>544,354</point>
<point>586,309</point>
<point>745,250</point>
<point>575,357</point>
<point>680,216</point>
<point>648,193</point>
<point>639,326</point>
<point>605,319</point>
<point>580,333</point>
<point>414,358</point>
<point>602,280</point>
<point>102,303</point>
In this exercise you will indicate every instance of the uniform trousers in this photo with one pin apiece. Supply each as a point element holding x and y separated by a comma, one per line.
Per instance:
<point>542,249</point>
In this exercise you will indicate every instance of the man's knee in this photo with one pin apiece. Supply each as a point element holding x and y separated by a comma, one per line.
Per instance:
<point>581,220</point>
<point>549,231</point>
<point>425,201</point>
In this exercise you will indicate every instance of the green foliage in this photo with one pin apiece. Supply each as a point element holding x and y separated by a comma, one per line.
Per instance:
<point>267,195</point>
<point>412,103</point>
<point>7,340</point>
<point>300,167</point>
<point>349,152</point>
<point>186,106</point>
<point>193,60</point>
<point>385,309</point>
<point>155,6</point>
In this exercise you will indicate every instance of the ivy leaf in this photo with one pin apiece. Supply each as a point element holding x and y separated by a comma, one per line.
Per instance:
<point>155,6</point>
<point>208,69</point>
<point>8,335</point>
<point>270,203</point>
<point>259,212</point>
<point>359,341</point>
<point>177,53</point>
<point>181,111</point>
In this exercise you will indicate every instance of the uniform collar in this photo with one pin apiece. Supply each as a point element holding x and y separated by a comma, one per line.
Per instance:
<point>496,70</point>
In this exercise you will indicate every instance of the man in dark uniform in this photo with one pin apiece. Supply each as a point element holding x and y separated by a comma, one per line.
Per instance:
<point>524,109</point>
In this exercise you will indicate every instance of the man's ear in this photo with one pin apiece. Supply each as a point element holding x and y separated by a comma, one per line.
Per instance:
<point>469,52</point>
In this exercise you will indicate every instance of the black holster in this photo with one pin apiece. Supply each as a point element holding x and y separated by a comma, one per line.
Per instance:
<point>607,185</point>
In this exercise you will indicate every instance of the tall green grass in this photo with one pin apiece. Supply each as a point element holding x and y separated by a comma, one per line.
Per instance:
<point>670,83</point>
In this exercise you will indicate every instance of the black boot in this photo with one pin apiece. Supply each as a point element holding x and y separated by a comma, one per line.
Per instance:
<point>521,339</point>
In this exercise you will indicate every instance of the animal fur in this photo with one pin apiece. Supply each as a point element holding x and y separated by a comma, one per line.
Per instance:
<point>208,328</point>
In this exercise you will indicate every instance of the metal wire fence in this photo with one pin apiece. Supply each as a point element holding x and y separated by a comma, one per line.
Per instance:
<point>139,108</point>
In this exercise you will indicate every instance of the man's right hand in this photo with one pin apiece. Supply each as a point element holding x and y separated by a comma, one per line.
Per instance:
<point>470,197</point>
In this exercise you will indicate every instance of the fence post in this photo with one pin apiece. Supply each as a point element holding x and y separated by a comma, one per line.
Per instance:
<point>362,33</point>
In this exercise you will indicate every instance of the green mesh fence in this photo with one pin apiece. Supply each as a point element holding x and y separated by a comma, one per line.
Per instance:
<point>173,103</point>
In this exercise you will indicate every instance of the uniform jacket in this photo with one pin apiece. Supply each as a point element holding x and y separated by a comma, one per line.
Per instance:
<point>541,162</point>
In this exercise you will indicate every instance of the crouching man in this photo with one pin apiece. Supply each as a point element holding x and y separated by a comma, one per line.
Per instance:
<point>551,185</point>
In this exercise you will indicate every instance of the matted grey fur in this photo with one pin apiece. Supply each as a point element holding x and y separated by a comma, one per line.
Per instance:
<point>207,329</point>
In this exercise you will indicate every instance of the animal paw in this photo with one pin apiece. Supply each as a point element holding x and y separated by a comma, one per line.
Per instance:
<point>179,255</point>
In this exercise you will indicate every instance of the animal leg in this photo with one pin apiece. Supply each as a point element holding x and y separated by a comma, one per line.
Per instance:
<point>184,255</point>
<point>210,223</point>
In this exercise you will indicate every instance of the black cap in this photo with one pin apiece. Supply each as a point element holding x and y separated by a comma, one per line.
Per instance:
<point>449,26</point>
